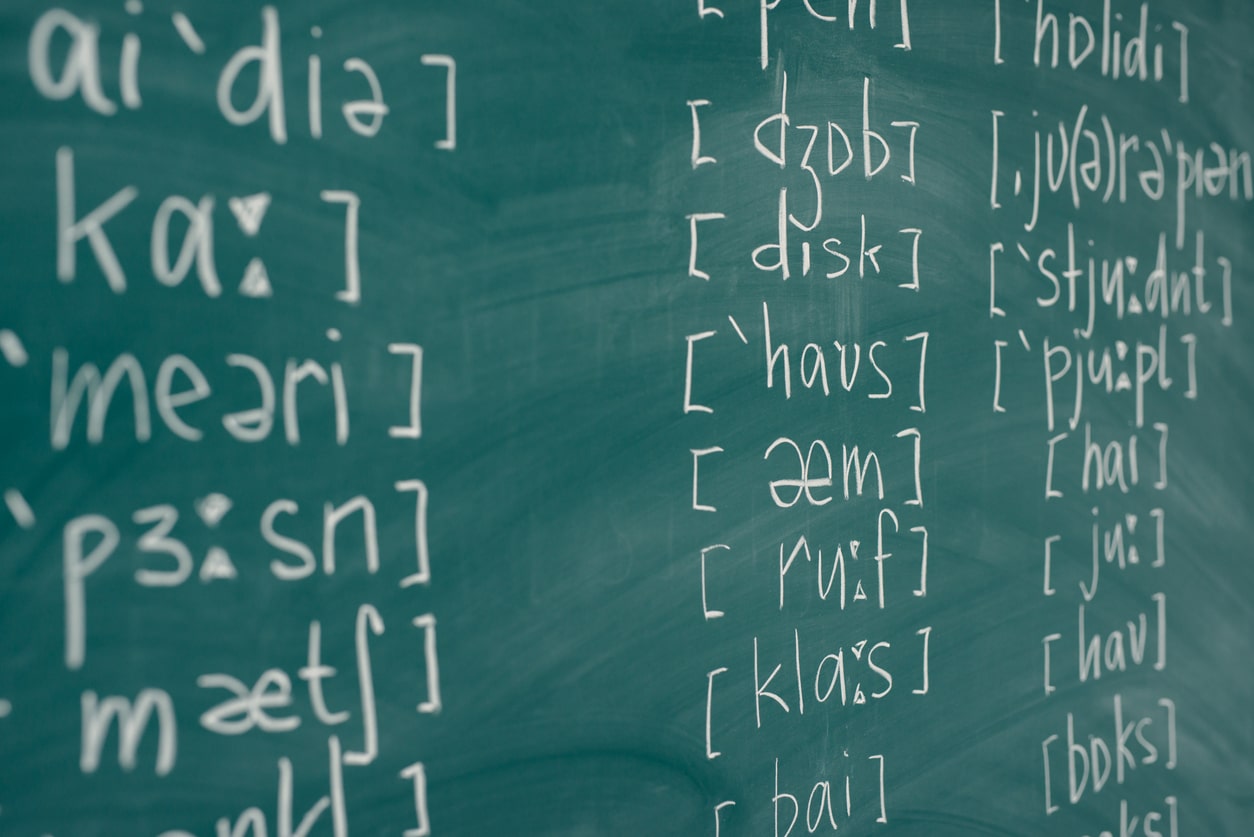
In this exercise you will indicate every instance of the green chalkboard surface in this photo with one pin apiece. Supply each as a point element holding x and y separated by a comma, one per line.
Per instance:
<point>713,417</point>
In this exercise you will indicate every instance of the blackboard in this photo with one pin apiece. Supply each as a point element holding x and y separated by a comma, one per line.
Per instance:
<point>702,418</point>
